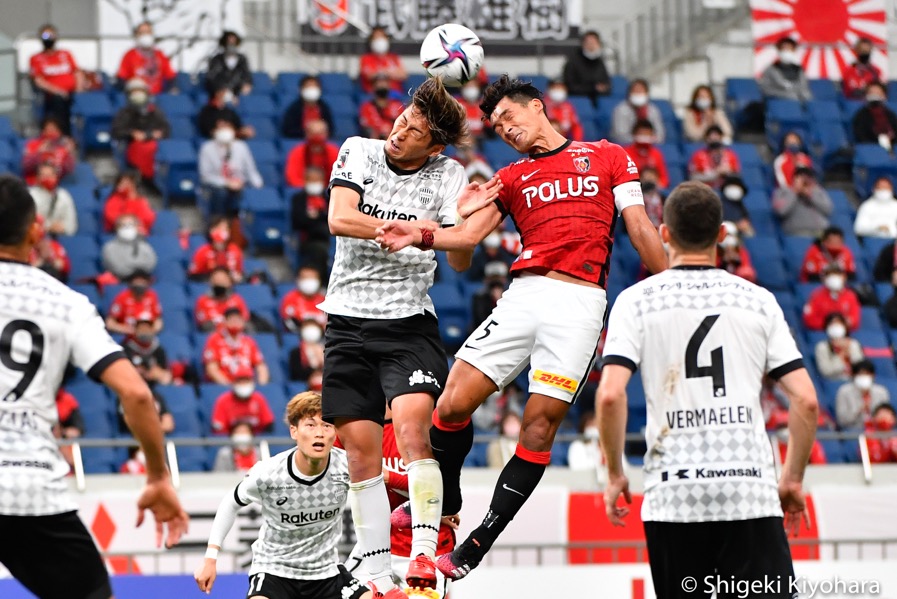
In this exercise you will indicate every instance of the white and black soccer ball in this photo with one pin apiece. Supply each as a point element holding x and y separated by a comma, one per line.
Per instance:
<point>453,52</point>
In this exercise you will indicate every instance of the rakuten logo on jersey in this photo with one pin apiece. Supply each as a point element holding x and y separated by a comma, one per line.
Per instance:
<point>306,517</point>
<point>574,187</point>
<point>378,211</point>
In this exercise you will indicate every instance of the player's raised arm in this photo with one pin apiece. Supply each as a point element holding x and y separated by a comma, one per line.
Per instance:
<point>644,238</point>
<point>472,198</point>
<point>397,235</point>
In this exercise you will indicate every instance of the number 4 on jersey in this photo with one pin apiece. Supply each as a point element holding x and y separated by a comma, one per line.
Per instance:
<point>716,369</point>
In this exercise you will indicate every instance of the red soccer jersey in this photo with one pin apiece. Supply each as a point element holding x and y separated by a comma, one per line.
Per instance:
<point>786,163</point>
<point>207,259</point>
<point>564,206</point>
<point>231,355</point>
<point>475,122</point>
<point>57,67</point>
<point>150,65</point>
<point>298,307</point>
<point>650,156</point>
<point>209,309</point>
<point>229,410</point>
<point>816,260</point>
<point>118,205</point>
<point>126,307</point>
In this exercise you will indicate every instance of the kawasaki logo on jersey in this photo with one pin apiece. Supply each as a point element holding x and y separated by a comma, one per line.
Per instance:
<point>377,211</point>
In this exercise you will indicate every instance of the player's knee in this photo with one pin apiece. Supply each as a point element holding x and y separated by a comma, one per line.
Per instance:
<point>538,434</point>
<point>413,439</point>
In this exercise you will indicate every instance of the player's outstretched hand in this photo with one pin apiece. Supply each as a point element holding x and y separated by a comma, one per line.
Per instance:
<point>397,235</point>
<point>617,486</point>
<point>205,575</point>
<point>453,521</point>
<point>794,506</point>
<point>477,196</point>
<point>159,497</point>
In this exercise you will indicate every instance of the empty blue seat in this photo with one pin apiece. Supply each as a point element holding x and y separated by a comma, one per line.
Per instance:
<point>824,111</point>
<point>264,213</point>
<point>176,105</point>
<point>90,395</point>
<point>176,168</point>
<point>829,144</point>
<point>795,249</point>
<point>264,150</point>
<point>414,80</point>
<point>6,129</point>
<point>823,89</point>
<point>584,107</point>
<point>172,296</point>
<point>870,322</point>
<point>288,82</point>
<point>257,105</point>
<point>783,116</point>
<point>540,82</point>
<point>448,300</point>
<point>262,83</point>
<point>342,106</point>
<point>167,223</point>
<point>740,93</point>
<point>167,247</point>
<point>870,162</point>
<point>93,113</point>
<point>498,153</point>
<point>88,290</point>
<point>336,83</point>
<point>257,297</point>
<point>82,175</point>
<point>264,126</point>
<point>99,460</point>
<point>178,347</point>
<point>182,127</point>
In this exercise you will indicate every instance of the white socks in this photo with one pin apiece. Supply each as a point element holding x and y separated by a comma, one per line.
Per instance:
<point>425,491</point>
<point>370,513</point>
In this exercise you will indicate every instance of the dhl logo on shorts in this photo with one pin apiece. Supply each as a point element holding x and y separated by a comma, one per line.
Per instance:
<point>556,380</point>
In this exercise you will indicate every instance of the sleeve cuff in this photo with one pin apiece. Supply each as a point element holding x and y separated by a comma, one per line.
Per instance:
<point>351,185</point>
<point>620,361</point>
<point>777,373</point>
<point>97,370</point>
<point>239,501</point>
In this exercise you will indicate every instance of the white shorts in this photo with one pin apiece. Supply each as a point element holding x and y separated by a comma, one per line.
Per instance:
<point>400,564</point>
<point>553,325</point>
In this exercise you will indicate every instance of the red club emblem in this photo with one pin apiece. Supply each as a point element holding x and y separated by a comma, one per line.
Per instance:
<point>582,163</point>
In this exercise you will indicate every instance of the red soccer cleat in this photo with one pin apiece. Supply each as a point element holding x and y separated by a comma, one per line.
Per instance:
<point>401,516</point>
<point>421,572</point>
<point>393,593</point>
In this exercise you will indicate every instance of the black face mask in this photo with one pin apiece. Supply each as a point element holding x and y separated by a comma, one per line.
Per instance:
<point>714,145</point>
<point>381,92</point>
<point>864,57</point>
<point>49,43</point>
<point>138,289</point>
<point>220,291</point>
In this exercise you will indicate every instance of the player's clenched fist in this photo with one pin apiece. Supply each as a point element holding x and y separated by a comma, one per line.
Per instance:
<point>205,575</point>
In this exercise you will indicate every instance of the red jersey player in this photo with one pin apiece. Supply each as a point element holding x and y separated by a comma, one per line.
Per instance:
<point>564,198</point>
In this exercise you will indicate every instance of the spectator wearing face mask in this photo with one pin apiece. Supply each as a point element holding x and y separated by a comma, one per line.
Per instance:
<point>791,158</point>
<point>301,303</point>
<point>128,252</point>
<point>377,115</point>
<point>877,216</point>
<point>636,107</point>
<point>137,301</point>
<point>652,195</point>
<point>314,151</point>
<point>308,357</point>
<point>732,195</point>
<point>241,455</point>
<point>50,147</point>
<point>242,404</point>
<point>211,307</point>
<point>220,107</point>
<point>495,282</point>
<point>309,106</point>
<point>560,110</point>
<point>218,252</point>
<point>309,220</point>
<point>471,95</point>
<point>875,123</point>
<point>804,208</point>
<point>136,462</point>
<point>125,200</point>
<point>733,257</point>
<point>145,61</point>
<point>855,79</point>
<point>226,166</point>
<point>53,202</point>
<point>703,113</point>
<point>585,73</point>
<point>229,352</point>
<point>785,78</point>
<point>56,74</point>
<point>140,125</point>
<point>882,449</point>
<point>502,449</point>
<point>645,154</point>
<point>49,256</point>
<point>857,399</point>
<point>828,249</point>
<point>833,296</point>
<point>491,250</point>
<point>380,61</point>
<point>229,68</point>
<point>584,453</point>
<point>714,162</point>
<point>838,352</point>
<point>146,353</point>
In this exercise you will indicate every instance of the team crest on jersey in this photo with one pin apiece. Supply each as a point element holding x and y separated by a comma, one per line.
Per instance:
<point>426,196</point>
<point>582,163</point>
<point>343,157</point>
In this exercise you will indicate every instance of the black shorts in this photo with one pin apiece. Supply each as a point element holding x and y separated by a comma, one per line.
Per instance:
<point>54,557</point>
<point>689,558</point>
<point>341,586</point>
<point>367,361</point>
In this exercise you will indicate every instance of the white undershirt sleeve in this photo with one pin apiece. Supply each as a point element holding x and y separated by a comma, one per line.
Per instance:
<point>224,520</point>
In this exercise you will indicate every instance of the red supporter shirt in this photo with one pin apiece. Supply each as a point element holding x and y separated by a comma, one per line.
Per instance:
<point>57,254</point>
<point>229,410</point>
<point>66,404</point>
<point>786,163</point>
<point>118,205</point>
<point>210,309</point>
<point>127,308</point>
<point>231,355</point>
<point>565,114</point>
<point>371,64</point>
<point>56,153</point>
<point>57,67</point>
<point>650,157</point>
<point>378,121</point>
<point>474,117</point>
<point>300,158</point>
<point>150,65</point>
<point>822,303</point>
<point>564,206</point>
<point>856,77</point>
<point>816,259</point>
<point>703,161</point>
<point>207,258</point>
<point>298,307</point>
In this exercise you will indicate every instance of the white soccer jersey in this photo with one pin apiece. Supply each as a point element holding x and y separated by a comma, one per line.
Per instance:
<point>367,281</point>
<point>44,325</point>
<point>703,339</point>
<point>302,517</point>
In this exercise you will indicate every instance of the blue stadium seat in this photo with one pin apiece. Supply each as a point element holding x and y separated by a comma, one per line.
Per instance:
<point>795,249</point>
<point>871,161</point>
<point>80,247</point>
<point>453,329</point>
<point>286,145</point>
<point>754,178</point>
<point>257,297</point>
<point>771,271</point>
<point>884,292</point>
<point>829,144</point>
<point>336,83</point>
<point>414,80</point>
<point>619,85</point>
<point>208,393</point>
<point>277,399</point>
<point>823,89</point>
<point>741,92</point>
<point>191,458</point>
<point>870,323</point>
<point>257,105</point>
<point>288,83</point>
<point>167,247</point>
<point>824,111</point>
<point>448,300</point>
<point>99,460</point>
<point>82,175</point>
<point>263,215</point>
<point>185,83</point>
<point>256,266</point>
<point>783,116</point>
<point>178,320</point>
<point>834,451</point>
<point>271,173</point>
<point>7,131</point>
<point>342,106</point>
<point>264,150</point>
<point>747,154</point>
<point>265,128</point>
<point>873,246</point>
<point>171,271</point>
<point>178,347</point>
<point>498,153</point>
<point>176,105</point>
<point>584,107</point>
<point>294,388</point>
<point>262,83</point>
<point>167,223</point>
<point>345,128</point>
<point>176,168</point>
<point>90,395</point>
<point>182,127</point>
<point>92,114</point>
<point>842,204</point>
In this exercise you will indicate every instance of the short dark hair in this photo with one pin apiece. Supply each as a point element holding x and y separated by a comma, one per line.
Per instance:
<point>592,33</point>
<point>833,316</point>
<point>832,230</point>
<point>444,114</point>
<point>805,171</point>
<point>309,78</point>
<point>233,311</point>
<point>865,366</point>
<point>785,40</point>
<point>222,41</point>
<point>51,119</point>
<point>713,129</point>
<point>17,210</point>
<point>642,82</point>
<point>642,124</point>
<point>693,213</point>
<point>516,90</point>
<point>879,85</point>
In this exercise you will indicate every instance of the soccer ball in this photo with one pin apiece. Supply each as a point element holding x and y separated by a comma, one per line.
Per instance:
<point>453,52</point>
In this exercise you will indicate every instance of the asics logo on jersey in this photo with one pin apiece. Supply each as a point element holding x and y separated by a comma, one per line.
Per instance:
<point>555,380</point>
<point>377,211</point>
<point>525,177</point>
<point>309,517</point>
<point>281,501</point>
<point>552,190</point>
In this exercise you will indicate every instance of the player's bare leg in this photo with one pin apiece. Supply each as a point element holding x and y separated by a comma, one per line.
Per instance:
<point>519,478</point>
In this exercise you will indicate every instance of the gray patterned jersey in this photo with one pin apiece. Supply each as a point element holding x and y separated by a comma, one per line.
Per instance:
<point>703,339</point>
<point>302,516</point>
<point>44,325</point>
<point>367,281</point>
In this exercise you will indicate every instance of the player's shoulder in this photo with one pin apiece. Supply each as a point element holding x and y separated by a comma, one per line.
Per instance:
<point>40,285</point>
<point>364,144</point>
<point>443,164</point>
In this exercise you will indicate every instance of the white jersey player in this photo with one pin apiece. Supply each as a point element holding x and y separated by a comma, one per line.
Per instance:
<point>703,339</point>
<point>302,493</point>
<point>44,326</point>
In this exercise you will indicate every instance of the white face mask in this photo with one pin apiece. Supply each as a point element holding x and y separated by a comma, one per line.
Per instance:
<point>380,45</point>
<point>311,93</point>
<point>733,193</point>
<point>127,233</point>
<point>311,333</point>
<point>230,61</point>
<point>242,440</point>
<point>643,139</point>
<point>729,241</point>
<point>834,283</point>
<point>244,390</point>
<point>146,40</point>
<point>138,98</point>
<point>863,381</point>
<point>703,103</point>
<point>789,57</point>
<point>883,195</point>
<point>836,330</point>
<point>471,93</point>
<point>309,286</point>
<point>228,97</point>
<point>638,99</point>
<point>592,54</point>
<point>225,135</point>
<point>557,94</point>
<point>590,433</point>
<point>492,241</point>
<point>315,188</point>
